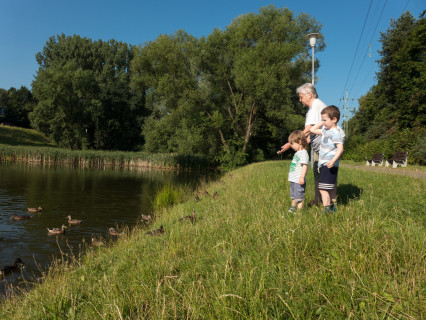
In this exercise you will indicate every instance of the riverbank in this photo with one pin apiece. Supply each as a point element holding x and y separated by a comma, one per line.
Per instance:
<point>245,256</point>
<point>50,155</point>
<point>28,145</point>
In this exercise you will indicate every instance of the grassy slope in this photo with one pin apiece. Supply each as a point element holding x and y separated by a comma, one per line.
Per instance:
<point>247,258</point>
<point>16,136</point>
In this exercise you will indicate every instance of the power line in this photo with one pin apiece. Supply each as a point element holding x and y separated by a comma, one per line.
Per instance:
<point>371,39</point>
<point>356,50</point>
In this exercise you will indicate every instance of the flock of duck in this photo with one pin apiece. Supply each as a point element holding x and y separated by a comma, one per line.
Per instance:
<point>95,241</point>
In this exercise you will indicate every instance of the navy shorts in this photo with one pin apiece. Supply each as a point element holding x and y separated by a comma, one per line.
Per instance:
<point>328,178</point>
<point>297,191</point>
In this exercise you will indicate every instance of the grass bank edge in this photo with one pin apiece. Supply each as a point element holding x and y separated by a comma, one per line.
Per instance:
<point>247,257</point>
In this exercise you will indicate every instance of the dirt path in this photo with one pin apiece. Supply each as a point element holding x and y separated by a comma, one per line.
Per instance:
<point>398,171</point>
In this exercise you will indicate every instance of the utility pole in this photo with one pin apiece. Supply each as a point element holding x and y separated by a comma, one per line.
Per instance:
<point>345,112</point>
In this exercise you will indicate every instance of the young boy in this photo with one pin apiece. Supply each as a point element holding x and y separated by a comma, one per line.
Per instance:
<point>330,151</point>
<point>298,168</point>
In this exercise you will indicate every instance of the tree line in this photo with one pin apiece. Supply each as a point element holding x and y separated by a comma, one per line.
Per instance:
<point>229,95</point>
<point>392,115</point>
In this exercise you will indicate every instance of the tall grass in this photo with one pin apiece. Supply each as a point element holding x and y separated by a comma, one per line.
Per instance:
<point>246,257</point>
<point>101,158</point>
<point>169,195</point>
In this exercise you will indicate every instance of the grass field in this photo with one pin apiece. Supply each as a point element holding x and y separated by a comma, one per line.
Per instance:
<point>246,257</point>
<point>16,136</point>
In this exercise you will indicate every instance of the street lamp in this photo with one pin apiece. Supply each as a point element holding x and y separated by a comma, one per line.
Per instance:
<point>312,37</point>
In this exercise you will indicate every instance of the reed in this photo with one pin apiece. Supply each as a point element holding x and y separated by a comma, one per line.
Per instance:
<point>101,158</point>
<point>169,195</point>
<point>246,257</point>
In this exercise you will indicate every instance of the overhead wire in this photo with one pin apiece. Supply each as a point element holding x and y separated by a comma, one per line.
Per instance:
<point>371,39</point>
<point>356,50</point>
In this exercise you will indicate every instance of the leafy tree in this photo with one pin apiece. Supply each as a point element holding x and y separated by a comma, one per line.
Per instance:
<point>17,104</point>
<point>85,100</point>
<point>397,102</point>
<point>229,92</point>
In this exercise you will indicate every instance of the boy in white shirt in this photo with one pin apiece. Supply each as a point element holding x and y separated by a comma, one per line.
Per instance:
<point>329,156</point>
<point>298,169</point>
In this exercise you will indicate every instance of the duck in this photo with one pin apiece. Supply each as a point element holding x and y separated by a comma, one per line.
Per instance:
<point>35,210</point>
<point>146,217</point>
<point>156,232</point>
<point>114,232</point>
<point>15,267</point>
<point>215,195</point>
<point>17,218</point>
<point>191,217</point>
<point>206,193</point>
<point>73,221</point>
<point>197,198</point>
<point>97,242</point>
<point>57,230</point>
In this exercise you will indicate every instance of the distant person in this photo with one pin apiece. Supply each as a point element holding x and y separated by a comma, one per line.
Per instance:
<point>308,97</point>
<point>298,169</point>
<point>330,152</point>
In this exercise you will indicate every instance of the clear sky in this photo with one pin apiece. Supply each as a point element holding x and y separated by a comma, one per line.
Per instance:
<point>349,28</point>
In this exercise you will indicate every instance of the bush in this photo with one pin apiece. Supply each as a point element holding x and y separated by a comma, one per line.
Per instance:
<point>357,148</point>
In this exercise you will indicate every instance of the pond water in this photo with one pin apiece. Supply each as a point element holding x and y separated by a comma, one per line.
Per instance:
<point>102,198</point>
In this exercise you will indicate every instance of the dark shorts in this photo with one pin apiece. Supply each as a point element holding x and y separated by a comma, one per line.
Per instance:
<point>297,191</point>
<point>328,178</point>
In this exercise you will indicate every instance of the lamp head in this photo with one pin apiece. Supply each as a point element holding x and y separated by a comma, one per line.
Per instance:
<point>312,37</point>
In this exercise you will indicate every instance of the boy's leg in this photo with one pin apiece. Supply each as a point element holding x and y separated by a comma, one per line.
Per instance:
<point>327,183</point>
<point>325,195</point>
<point>317,196</point>
<point>292,195</point>
<point>300,195</point>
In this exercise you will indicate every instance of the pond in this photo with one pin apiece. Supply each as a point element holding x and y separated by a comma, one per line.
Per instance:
<point>101,197</point>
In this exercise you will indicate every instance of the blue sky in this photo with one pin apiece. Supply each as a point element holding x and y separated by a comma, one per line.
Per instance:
<point>349,28</point>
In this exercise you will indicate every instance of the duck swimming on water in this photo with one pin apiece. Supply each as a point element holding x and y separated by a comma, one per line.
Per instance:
<point>18,218</point>
<point>73,221</point>
<point>114,232</point>
<point>15,267</point>
<point>35,210</point>
<point>57,230</point>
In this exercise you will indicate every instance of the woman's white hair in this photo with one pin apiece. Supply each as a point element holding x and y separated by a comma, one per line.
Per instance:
<point>307,88</point>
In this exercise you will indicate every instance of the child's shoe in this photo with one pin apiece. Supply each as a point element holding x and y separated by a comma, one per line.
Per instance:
<point>292,209</point>
<point>333,207</point>
<point>328,209</point>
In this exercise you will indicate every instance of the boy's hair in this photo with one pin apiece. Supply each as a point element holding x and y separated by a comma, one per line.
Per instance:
<point>299,137</point>
<point>332,112</point>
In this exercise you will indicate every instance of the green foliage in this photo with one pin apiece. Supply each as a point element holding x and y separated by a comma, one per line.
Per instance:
<point>391,116</point>
<point>232,89</point>
<point>17,104</point>
<point>102,158</point>
<point>358,148</point>
<point>84,97</point>
<point>168,196</point>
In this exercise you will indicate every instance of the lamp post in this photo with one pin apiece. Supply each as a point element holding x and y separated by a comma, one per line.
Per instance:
<point>312,37</point>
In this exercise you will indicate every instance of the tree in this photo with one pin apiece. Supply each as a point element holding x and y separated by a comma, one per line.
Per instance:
<point>391,116</point>
<point>397,101</point>
<point>225,91</point>
<point>85,100</point>
<point>17,104</point>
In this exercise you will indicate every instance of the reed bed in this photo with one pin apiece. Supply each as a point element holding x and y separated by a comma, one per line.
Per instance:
<point>246,257</point>
<point>101,158</point>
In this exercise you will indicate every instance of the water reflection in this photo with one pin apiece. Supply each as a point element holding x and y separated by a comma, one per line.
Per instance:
<point>102,198</point>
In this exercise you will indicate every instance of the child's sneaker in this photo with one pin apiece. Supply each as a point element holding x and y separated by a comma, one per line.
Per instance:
<point>292,209</point>
<point>328,209</point>
<point>333,208</point>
